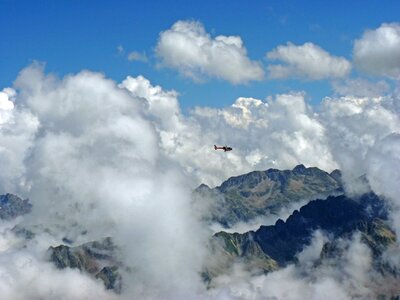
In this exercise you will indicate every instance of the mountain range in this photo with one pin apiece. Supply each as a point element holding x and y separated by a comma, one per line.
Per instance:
<point>242,198</point>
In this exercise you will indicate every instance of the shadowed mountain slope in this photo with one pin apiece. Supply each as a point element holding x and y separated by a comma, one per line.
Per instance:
<point>338,216</point>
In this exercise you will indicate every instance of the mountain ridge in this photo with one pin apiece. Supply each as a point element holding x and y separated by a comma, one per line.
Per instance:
<point>244,197</point>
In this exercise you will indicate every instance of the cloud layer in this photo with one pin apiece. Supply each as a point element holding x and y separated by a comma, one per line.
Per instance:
<point>98,159</point>
<point>307,61</point>
<point>188,48</point>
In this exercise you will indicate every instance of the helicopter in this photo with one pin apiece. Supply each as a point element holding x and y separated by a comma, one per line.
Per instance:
<point>225,148</point>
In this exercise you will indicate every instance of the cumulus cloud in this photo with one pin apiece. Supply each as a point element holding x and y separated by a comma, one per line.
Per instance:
<point>377,52</point>
<point>94,169</point>
<point>161,106</point>
<point>307,61</point>
<point>281,133</point>
<point>188,48</point>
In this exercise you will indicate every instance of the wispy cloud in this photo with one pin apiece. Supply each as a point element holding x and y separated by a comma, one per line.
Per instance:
<point>137,56</point>
<point>133,55</point>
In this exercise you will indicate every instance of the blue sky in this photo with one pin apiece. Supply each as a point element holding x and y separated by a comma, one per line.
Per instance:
<point>73,35</point>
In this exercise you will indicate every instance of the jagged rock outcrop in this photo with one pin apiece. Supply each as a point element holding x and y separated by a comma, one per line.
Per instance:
<point>97,258</point>
<point>12,206</point>
<point>247,196</point>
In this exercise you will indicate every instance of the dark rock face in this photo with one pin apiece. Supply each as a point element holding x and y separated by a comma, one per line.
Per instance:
<point>250,195</point>
<point>96,258</point>
<point>340,216</point>
<point>11,206</point>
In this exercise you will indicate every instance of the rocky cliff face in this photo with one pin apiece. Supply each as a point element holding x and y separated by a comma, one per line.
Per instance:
<point>244,197</point>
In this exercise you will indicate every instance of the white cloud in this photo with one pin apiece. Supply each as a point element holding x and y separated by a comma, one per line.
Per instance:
<point>307,61</point>
<point>187,47</point>
<point>281,133</point>
<point>161,105</point>
<point>137,56</point>
<point>95,165</point>
<point>377,52</point>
